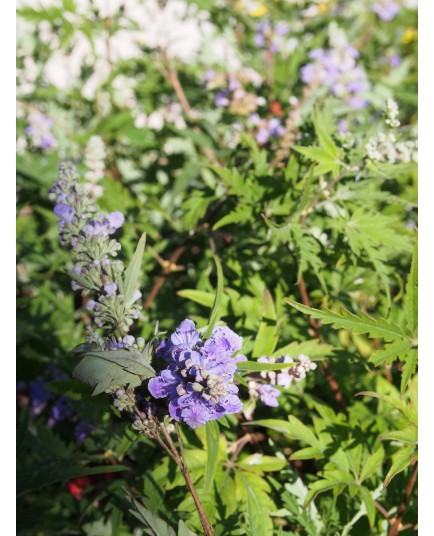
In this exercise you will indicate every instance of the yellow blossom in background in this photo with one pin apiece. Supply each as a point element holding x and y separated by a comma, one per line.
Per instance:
<point>409,35</point>
<point>252,8</point>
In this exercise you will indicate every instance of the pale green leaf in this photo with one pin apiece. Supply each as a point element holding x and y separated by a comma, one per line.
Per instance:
<point>408,368</point>
<point>132,273</point>
<point>369,503</point>
<point>411,296</point>
<point>212,448</point>
<point>217,300</point>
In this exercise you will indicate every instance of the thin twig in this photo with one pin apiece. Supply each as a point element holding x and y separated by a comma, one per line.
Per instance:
<point>397,524</point>
<point>167,270</point>
<point>207,527</point>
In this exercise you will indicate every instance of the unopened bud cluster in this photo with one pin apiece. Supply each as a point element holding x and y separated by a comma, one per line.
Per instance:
<point>88,233</point>
<point>269,394</point>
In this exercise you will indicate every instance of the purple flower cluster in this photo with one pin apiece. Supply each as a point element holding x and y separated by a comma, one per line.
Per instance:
<point>199,377</point>
<point>337,69</point>
<point>266,129</point>
<point>386,9</point>
<point>39,130</point>
<point>269,394</point>
<point>271,36</point>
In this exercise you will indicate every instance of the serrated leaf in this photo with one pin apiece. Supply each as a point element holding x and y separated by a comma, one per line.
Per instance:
<point>157,526</point>
<point>239,215</point>
<point>212,435</point>
<point>372,464</point>
<point>374,327</point>
<point>132,273</point>
<point>411,294</point>
<point>408,368</point>
<point>258,503</point>
<point>323,128</point>
<point>409,435</point>
<point>217,300</point>
<point>390,353</point>
<point>402,459</point>
<point>294,429</point>
<point>118,368</point>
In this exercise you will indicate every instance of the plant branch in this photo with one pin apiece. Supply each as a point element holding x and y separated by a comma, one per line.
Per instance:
<point>207,527</point>
<point>401,510</point>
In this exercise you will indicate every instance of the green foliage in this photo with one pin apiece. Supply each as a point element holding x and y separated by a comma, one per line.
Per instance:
<point>113,369</point>
<point>222,228</point>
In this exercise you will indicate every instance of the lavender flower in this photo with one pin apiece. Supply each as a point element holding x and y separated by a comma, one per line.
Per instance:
<point>59,411</point>
<point>39,130</point>
<point>199,377</point>
<point>337,69</point>
<point>266,129</point>
<point>83,430</point>
<point>272,37</point>
<point>386,9</point>
<point>88,234</point>
<point>269,394</point>
<point>39,397</point>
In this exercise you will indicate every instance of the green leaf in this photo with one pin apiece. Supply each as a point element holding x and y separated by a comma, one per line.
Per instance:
<point>408,368</point>
<point>102,370</point>
<point>259,462</point>
<point>377,328</point>
<point>71,388</point>
<point>198,296</point>
<point>369,502</point>
<point>132,273</point>
<point>240,215</point>
<point>401,460</point>
<point>255,366</point>
<point>372,464</point>
<point>266,339</point>
<point>308,453</point>
<point>43,473</point>
<point>212,447</point>
<point>256,516</point>
<point>409,435</point>
<point>324,125</point>
<point>411,295</point>
<point>156,525</point>
<point>217,300</point>
<point>390,353</point>
<point>293,429</point>
<point>183,530</point>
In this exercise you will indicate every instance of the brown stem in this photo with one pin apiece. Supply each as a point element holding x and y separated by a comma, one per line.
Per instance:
<point>207,527</point>
<point>397,524</point>
<point>168,268</point>
<point>176,254</point>
<point>172,76</point>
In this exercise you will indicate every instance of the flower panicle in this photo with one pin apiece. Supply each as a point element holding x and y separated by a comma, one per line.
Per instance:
<point>88,233</point>
<point>198,379</point>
